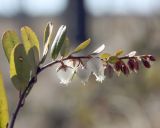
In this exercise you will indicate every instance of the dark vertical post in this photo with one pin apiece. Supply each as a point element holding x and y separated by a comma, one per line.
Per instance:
<point>75,19</point>
<point>81,21</point>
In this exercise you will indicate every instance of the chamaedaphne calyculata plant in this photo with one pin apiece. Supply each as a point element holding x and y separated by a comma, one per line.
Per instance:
<point>26,63</point>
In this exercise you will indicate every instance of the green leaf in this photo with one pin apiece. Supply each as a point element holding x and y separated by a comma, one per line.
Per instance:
<point>48,32</point>
<point>9,40</point>
<point>4,115</point>
<point>119,52</point>
<point>19,67</point>
<point>113,59</point>
<point>105,55</point>
<point>31,45</point>
<point>65,47</point>
<point>98,50</point>
<point>82,46</point>
<point>58,41</point>
<point>48,35</point>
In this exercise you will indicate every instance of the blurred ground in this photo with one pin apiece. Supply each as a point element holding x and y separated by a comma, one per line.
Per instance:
<point>120,102</point>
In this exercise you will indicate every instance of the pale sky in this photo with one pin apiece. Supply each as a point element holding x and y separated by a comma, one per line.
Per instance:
<point>95,7</point>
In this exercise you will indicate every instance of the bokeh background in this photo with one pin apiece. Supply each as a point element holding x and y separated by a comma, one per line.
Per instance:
<point>120,102</point>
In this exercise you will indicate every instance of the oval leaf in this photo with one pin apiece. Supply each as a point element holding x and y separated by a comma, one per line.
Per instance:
<point>82,46</point>
<point>4,115</point>
<point>30,40</point>
<point>9,40</point>
<point>131,54</point>
<point>98,50</point>
<point>19,67</point>
<point>48,35</point>
<point>31,45</point>
<point>48,32</point>
<point>58,41</point>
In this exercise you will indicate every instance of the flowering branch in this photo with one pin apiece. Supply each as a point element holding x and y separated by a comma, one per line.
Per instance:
<point>25,62</point>
<point>119,65</point>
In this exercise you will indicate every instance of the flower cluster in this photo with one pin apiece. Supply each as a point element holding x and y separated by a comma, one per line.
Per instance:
<point>82,68</point>
<point>101,66</point>
<point>26,61</point>
<point>133,63</point>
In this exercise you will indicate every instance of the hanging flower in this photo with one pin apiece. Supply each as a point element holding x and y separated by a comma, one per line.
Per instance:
<point>96,66</point>
<point>65,75</point>
<point>66,71</point>
<point>83,72</point>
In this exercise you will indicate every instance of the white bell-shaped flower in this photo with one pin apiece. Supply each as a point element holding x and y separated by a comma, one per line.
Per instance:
<point>83,72</point>
<point>96,66</point>
<point>66,71</point>
<point>65,75</point>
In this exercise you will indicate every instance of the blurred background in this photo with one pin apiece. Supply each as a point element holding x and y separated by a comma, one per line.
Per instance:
<point>120,102</point>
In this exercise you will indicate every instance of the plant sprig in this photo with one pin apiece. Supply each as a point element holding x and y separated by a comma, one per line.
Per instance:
<point>26,64</point>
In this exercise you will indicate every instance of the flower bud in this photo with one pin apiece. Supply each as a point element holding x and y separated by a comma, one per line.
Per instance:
<point>152,58</point>
<point>117,66</point>
<point>124,69</point>
<point>131,64</point>
<point>146,63</point>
